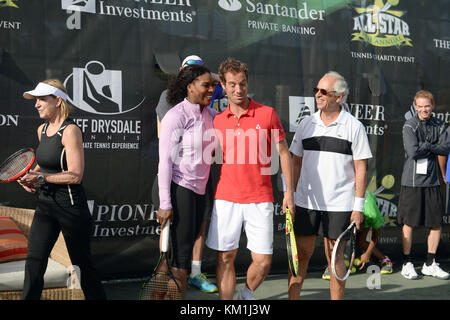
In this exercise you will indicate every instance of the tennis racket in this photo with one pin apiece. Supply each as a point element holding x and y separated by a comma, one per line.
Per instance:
<point>291,244</point>
<point>162,284</point>
<point>345,244</point>
<point>17,165</point>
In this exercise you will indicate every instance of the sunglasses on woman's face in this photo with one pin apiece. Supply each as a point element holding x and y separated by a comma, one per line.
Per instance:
<point>191,62</point>
<point>322,91</point>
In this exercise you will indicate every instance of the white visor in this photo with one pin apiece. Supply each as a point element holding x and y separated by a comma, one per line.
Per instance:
<point>190,60</point>
<point>43,89</point>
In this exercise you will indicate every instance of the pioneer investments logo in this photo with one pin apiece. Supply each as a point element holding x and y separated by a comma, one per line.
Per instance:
<point>381,25</point>
<point>165,11</point>
<point>109,219</point>
<point>372,116</point>
<point>79,5</point>
<point>299,108</point>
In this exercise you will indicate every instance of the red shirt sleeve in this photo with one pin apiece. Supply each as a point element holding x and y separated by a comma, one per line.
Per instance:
<point>277,130</point>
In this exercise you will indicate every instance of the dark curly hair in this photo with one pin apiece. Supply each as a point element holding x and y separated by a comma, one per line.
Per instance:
<point>177,89</point>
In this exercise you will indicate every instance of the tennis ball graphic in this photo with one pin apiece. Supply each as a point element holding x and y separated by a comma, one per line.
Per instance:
<point>388,181</point>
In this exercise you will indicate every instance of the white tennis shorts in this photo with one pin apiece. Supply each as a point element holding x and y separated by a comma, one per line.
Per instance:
<point>227,221</point>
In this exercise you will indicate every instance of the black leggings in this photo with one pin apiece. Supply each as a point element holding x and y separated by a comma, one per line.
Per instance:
<point>188,214</point>
<point>55,213</point>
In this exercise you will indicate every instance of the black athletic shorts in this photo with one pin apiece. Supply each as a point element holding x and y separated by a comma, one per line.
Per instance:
<point>312,222</point>
<point>420,206</point>
<point>209,198</point>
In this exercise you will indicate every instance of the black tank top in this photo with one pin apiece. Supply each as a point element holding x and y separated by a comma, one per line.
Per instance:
<point>50,154</point>
<point>51,158</point>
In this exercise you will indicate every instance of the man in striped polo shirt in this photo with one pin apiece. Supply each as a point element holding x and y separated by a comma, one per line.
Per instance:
<point>330,151</point>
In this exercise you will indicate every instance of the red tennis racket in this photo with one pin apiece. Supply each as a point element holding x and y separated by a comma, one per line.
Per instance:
<point>17,165</point>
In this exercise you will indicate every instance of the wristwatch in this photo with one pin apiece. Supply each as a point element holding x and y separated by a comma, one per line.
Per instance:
<point>40,180</point>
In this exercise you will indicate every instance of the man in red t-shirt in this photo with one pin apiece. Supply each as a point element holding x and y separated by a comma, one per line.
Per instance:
<point>247,132</point>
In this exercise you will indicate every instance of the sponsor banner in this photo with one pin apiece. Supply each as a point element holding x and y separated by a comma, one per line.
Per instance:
<point>381,24</point>
<point>109,220</point>
<point>9,120</point>
<point>115,57</point>
<point>99,93</point>
<point>179,11</point>
<point>371,115</point>
<point>277,16</point>
<point>299,108</point>
<point>442,43</point>
<point>9,23</point>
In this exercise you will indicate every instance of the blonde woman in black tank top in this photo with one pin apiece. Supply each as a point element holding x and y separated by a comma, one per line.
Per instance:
<point>61,201</point>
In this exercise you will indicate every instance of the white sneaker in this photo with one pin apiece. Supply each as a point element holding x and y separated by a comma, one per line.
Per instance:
<point>408,271</point>
<point>241,296</point>
<point>435,271</point>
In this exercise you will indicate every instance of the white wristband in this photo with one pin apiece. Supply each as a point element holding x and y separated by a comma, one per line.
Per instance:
<point>358,205</point>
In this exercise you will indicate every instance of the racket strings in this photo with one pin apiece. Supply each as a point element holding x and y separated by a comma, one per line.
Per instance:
<point>15,165</point>
<point>161,287</point>
<point>162,284</point>
<point>291,246</point>
<point>156,288</point>
<point>345,255</point>
<point>293,259</point>
<point>341,259</point>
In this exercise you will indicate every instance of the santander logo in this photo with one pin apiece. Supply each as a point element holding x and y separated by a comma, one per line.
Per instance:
<point>230,5</point>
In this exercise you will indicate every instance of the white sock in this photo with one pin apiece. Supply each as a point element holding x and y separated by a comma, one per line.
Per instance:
<point>246,293</point>
<point>196,268</point>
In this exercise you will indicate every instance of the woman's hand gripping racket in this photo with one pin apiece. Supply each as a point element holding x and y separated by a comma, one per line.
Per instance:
<point>162,284</point>
<point>345,244</point>
<point>17,165</point>
<point>291,244</point>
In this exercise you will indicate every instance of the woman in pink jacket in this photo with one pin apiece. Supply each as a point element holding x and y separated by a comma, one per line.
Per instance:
<point>186,145</point>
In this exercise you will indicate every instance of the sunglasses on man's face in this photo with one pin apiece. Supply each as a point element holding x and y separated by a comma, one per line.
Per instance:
<point>322,91</point>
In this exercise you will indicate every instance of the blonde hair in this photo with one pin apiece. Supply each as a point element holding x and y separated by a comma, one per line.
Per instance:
<point>424,94</point>
<point>66,108</point>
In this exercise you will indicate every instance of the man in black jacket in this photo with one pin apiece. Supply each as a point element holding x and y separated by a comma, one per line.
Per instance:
<point>420,202</point>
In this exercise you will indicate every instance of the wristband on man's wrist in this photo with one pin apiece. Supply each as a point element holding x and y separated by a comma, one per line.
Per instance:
<point>358,205</point>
